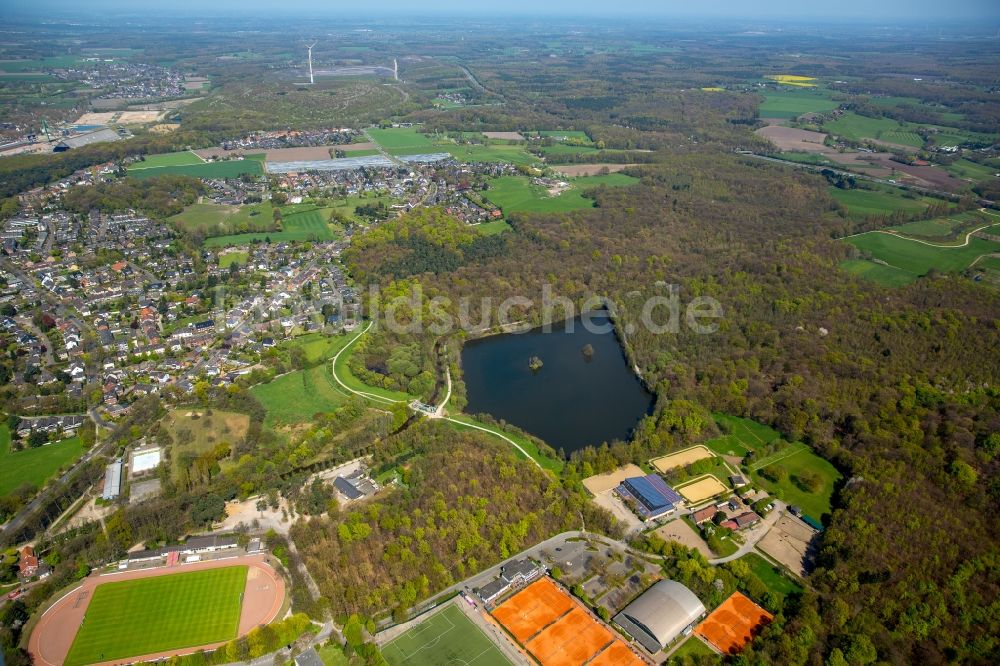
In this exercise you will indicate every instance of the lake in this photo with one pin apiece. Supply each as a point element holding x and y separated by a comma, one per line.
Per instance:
<point>573,400</point>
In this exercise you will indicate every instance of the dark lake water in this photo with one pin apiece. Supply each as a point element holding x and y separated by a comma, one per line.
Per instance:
<point>572,401</point>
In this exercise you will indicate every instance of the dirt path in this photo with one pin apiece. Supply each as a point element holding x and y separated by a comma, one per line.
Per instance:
<point>53,636</point>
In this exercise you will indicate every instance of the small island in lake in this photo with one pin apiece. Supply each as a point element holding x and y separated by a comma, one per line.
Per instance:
<point>535,363</point>
<point>588,351</point>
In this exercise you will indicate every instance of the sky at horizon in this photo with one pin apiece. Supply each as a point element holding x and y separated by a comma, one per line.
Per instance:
<point>903,11</point>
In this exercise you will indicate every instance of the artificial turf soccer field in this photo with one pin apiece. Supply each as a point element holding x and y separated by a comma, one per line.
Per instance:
<point>447,637</point>
<point>146,615</point>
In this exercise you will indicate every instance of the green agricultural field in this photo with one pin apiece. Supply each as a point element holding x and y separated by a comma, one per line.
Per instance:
<point>798,462</point>
<point>296,397</point>
<point>446,637</point>
<point>182,158</point>
<point>916,258</point>
<point>562,149</point>
<point>515,194</point>
<point>54,62</point>
<point>794,103</point>
<point>862,203</point>
<point>33,466</point>
<point>135,617</point>
<point>951,229</point>
<point>361,153</point>
<point>971,170</point>
<point>512,153</point>
<point>252,165</point>
<point>858,128</point>
<point>773,577</point>
<point>402,141</point>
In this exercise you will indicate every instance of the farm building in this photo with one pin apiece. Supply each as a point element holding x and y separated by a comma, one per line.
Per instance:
<point>650,495</point>
<point>660,614</point>
<point>704,515</point>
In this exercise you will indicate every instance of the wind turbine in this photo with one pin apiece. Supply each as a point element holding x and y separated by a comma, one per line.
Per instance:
<point>310,47</point>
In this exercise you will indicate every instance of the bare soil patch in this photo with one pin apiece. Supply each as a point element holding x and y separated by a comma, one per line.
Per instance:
<point>574,170</point>
<point>789,138</point>
<point>601,482</point>
<point>788,542</point>
<point>680,531</point>
<point>505,136</point>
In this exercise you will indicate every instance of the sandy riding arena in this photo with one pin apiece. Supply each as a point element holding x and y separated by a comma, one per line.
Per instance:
<point>705,487</point>
<point>680,458</point>
<point>53,636</point>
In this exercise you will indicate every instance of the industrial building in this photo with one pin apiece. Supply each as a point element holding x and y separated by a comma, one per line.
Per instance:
<point>660,614</point>
<point>113,480</point>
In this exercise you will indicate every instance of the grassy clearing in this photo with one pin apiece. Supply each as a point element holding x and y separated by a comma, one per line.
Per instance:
<point>794,103</point>
<point>33,466</point>
<point>800,463</point>
<point>309,225</point>
<point>887,276</point>
<point>517,194</point>
<point>695,647</point>
<point>230,258</point>
<point>771,576</point>
<point>862,203</point>
<point>298,396</point>
<point>745,435</point>
<point>196,431</point>
<point>495,227</point>
<point>915,258</point>
<point>446,637</point>
<point>136,617</point>
<point>213,219</point>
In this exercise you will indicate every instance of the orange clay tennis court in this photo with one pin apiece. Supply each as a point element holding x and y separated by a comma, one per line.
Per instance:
<point>734,624</point>
<point>532,608</point>
<point>557,631</point>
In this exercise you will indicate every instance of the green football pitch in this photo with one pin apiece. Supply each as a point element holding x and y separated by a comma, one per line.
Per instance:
<point>136,617</point>
<point>447,637</point>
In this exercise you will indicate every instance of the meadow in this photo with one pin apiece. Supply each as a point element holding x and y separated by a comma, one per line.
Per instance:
<point>968,170</point>
<point>914,258</point>
<point>309,225</point>
<point>296,397</point>
<point>252,165</point>
<point>213,219</point>
<point>887,276</point>
<point>794,103</point>
<point>799,463</point>
<point>229,258</point>
<point>136,617</point>
<point>33,466</point>
<point>195,432</point>
<point>514,194</point>
<point>744,435</point>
